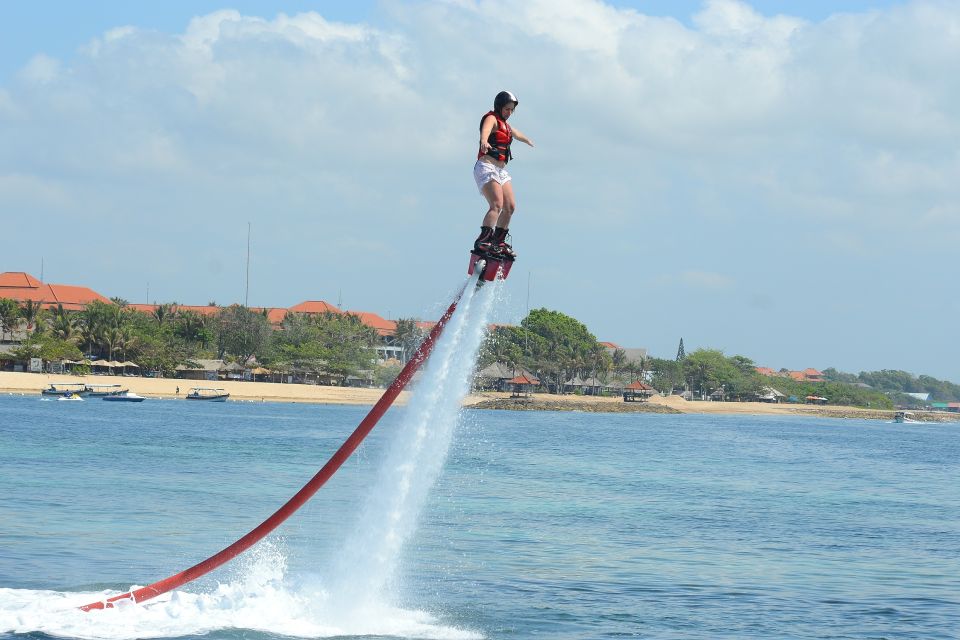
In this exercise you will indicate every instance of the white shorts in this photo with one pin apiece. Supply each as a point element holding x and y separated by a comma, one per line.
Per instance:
<point>484,172</point>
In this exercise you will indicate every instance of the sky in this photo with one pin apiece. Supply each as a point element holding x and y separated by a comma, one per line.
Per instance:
<point>774,179</point>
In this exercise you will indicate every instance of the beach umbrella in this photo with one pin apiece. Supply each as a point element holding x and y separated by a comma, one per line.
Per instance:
<point>127,363</point>
<point>100,363</point>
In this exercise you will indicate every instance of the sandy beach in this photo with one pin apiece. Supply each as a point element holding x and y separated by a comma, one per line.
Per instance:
<point>30,383</point>
<point>33,383</point>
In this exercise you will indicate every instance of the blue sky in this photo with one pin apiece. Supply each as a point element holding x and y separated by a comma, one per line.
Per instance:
<point>773,179</point>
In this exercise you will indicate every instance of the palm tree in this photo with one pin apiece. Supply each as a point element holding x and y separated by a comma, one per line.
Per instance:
<point>63,326</point>
<point>408,335</point>
<point>112,339</point>
<point>617,360</point>
<point>192,327</point>
<point>643,365</point>
<point>9,313</point>
<point>32,313</point>
<point>127,340</point>
<point>164,312</point>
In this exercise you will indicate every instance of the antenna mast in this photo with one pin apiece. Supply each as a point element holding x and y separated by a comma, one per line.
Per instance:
<point>246,295</point>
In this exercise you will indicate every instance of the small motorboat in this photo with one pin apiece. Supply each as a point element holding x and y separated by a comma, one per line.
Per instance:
<point>70,397</point>
<point>208,393</point>
<point>100,390</point>
<point>65,389</point>
<point>126,396</point>
<point>904,417</point>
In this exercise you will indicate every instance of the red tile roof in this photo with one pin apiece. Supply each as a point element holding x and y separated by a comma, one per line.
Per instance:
<point>636,385</point>
<point>611,345</point>
<point>22,287</point>
<point>315,306</point>
<point>383,326</point>
<point>276,315</point>
<point>18,279</point>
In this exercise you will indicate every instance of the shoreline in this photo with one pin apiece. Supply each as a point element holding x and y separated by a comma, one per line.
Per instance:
<point>33,383</point>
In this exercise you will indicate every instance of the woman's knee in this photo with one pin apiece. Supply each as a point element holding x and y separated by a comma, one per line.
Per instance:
<point>496,205</point>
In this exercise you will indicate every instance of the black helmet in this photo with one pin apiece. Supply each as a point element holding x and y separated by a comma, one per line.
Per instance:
<point>502,99</point>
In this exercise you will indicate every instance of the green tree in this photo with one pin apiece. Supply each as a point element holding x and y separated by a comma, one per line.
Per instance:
<point>46,346</point>
<point>95,321</point>
<point>33,315</point>
<point>9,316</point>
<point>408,336</point>
<point>164,312</point>
<point>833,375</point>
<point>565,344</point>
<point>618,361</point>
<point>193,328</point>
<point>336,344</point>
<point>385,374</point>
<point>241,332</point>
<point>504,344</point>
<point>708,370</point>
<point>667,374</point>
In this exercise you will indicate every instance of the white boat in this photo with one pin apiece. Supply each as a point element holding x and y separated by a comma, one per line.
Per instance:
<point>65,389</point>
<point>71,397</point>
<point>126,396</point>
<point>904,417</point>
<point>105,389</point>
<point>208,393</point>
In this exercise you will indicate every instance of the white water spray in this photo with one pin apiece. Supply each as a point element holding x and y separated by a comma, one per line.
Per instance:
<point>366,569</point>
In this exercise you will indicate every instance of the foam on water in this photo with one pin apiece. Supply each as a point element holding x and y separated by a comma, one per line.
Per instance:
<point>260,599</point>
<point>357,594</point>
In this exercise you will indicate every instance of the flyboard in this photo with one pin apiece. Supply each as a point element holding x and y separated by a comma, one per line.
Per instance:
<point>486,267</point>
<point>489,265</point>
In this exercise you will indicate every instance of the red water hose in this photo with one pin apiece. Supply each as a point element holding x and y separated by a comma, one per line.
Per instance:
<point>302,496</point>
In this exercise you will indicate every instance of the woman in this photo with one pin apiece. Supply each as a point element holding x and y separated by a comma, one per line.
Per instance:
<point>492,178</point>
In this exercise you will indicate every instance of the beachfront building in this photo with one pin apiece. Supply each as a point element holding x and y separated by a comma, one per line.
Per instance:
<point>521,386</point>
<point>388,348</point>
<point>497,377</point>
<point>638,391</point>
<point>21,287</point>
<point>769,394</point>
<point>631,354</point>
<point>807,375</point>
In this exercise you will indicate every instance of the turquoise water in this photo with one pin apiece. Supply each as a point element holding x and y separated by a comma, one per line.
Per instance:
<point>547,525</point>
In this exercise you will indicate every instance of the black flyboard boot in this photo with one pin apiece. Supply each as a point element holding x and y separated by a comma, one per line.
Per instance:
<point>488,256</point>
<point>500,244</point>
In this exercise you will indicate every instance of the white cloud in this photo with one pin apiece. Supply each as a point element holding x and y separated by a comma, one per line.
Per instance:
<point>40,70</point>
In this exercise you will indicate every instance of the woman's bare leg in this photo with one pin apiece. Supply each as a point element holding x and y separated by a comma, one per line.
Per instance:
<point>494,196</point>
<point>509,205</point>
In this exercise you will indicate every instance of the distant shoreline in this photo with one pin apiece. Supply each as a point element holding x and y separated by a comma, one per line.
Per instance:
<point>33,383</point>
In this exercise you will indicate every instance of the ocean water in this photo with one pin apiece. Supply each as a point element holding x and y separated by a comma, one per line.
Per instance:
<point>476,524</point>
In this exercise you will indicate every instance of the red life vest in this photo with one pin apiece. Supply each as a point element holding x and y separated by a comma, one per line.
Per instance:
<point>500,139</point>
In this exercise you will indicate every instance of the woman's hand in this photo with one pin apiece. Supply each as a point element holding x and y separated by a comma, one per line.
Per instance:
<point>485,146</point>
<point>522,138</point>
